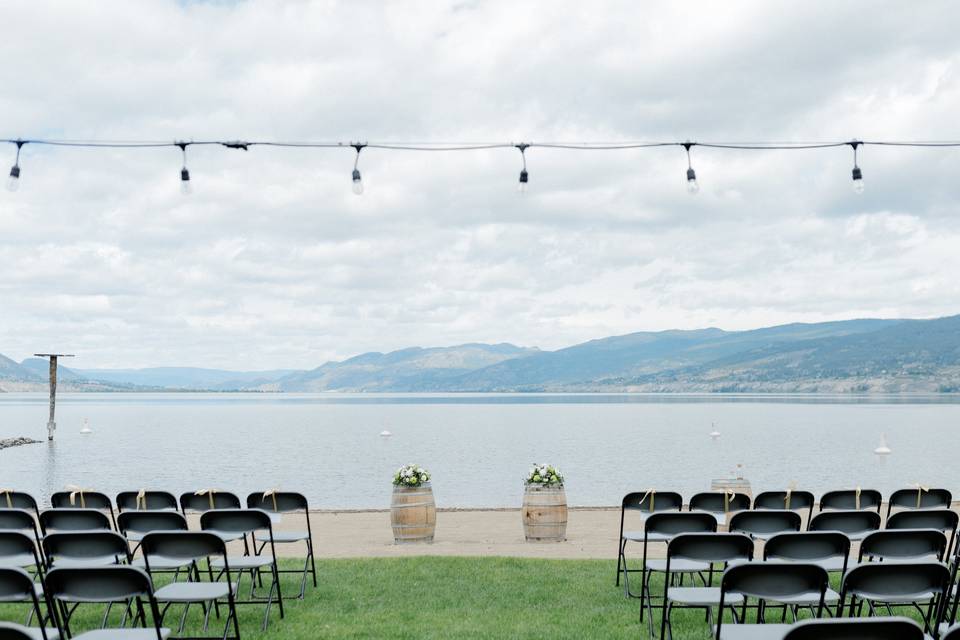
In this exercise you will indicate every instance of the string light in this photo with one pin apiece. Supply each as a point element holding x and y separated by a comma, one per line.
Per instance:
<point>357,180</point>
<point>524,182</point>
<point>13,181</point>
<point>693,185</point>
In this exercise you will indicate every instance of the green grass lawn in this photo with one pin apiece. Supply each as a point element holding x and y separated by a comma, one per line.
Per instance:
<point>440,597</point>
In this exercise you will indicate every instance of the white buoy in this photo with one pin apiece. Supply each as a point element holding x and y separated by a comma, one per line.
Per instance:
<point>714,434</point>
<point>883,449</point>
<point>86,427</point>
<point>385,434</point>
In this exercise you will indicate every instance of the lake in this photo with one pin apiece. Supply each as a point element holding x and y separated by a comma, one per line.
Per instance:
<point>477,446</point>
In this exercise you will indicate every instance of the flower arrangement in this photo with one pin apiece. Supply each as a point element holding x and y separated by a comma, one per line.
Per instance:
<point>411,475</point>
<point>544,474</point>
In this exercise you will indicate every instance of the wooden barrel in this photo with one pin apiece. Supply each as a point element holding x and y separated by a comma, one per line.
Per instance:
<point>413,514</point>
<point>544,514</point>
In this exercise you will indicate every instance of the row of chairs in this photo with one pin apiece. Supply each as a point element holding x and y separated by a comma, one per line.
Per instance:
<point>72,509</point>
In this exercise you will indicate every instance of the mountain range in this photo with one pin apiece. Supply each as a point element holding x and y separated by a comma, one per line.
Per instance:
<point>851,356</point>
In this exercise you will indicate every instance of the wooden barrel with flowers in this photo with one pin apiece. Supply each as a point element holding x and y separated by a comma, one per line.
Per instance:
<point>413,513</point>
<point>544,505</point>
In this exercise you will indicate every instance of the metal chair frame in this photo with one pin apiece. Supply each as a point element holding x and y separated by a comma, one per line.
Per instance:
<point>281,502</point>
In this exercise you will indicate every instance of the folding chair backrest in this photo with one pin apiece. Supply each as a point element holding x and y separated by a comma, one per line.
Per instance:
<point>774,580</point>
<point>652,501</point>
<point>16,585</point>
<point>235,520</point>
<point>778,500</point>
<point>939,519</point>
<point>856,629</point>
<point>765,522</point>
<point>19,500</point>
<point>671,523</point>
<point>719,502</point>
<point>892,580</point>
<point>710,547</point>
<point>17,543</point>
<point>81,500</point>
<point>183,545</point>
<point>147,501</point>
<point>73,520</point>
<point>847,499</point>
<point>13,631</point>
<point>277,502</point>
<point>920,499</point>
<point>953,633</point>
<point>807,546</point>
<point>849,522</point>
<point>147,521</point>
<point>206,500</point>
<point>18,519</point>
<point>83,545</point>
<point>903,544</point>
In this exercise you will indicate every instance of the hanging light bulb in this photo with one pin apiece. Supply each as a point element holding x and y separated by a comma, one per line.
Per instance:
<point>856,173</point>
<point>357,179</point>
<point>693,187</point>
<point>13,180</point>
<point>185,187</point>
<point>524,184</point>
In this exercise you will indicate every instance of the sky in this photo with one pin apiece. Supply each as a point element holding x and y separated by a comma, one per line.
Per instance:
<point>272,262</point>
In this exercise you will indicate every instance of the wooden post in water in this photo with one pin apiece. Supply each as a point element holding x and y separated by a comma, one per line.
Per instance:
<point>51,423</point>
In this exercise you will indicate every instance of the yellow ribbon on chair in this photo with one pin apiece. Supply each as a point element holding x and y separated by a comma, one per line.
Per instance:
<point>141,499</point>
<point>786,498</point>
<point>273,494</point>
<point>727,494</point>
<point>856,497</point>
<point>652,494</point>
<point>77,491</point>
<point>6,493</point>
<point>920,491</point>
<point>209,493</point>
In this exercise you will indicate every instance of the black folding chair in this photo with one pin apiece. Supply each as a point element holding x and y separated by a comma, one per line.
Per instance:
<point>903,544</point>
<point>146,501</point>
<point>134,525</point>
<point>855,524</point>
<point>856,629</point>
<point>16,585</point>
<point>951,633</point>
<point>19,520</point>
<point>764,523</point>
<point>14,631</point>
<point>944,520</point>
<point>114,584</point>
<point>53,520</point>
<point>896,584</point>
<point>851,499</point>
<point>709,549</point>
<point>919,498</point>
<point>78,549</point>
<point>644,503</point>
<point>210,499</point>
<point>280,502</point>
<point>230,522</point>
<point>827,549</point>
<point>787,584</point>
<point>80,499</point>
<point>194,548</point>
<point>792,500</point>
<point>10,499</point>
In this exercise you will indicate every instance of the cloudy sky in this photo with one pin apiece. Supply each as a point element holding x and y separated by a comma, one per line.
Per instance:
<point>273,262</point>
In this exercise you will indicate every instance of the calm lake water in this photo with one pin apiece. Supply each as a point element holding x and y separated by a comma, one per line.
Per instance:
<point>477,446</point>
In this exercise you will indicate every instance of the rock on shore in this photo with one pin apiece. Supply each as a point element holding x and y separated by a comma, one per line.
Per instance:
<point>6,443</point>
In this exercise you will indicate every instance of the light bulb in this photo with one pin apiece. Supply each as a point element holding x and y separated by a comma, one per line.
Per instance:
<point>693,187</point>
<point>524,183</point>
<point>857,180</point>
<point>357,182</point>
<point>13,182</point>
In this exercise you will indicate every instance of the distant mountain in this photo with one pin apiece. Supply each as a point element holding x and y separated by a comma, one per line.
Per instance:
<point>835,357</point>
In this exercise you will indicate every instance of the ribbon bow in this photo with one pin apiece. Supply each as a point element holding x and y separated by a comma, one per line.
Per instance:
<point>789,494</point>
<point>209,493</point>
<point>727,494</point>
<point>920,491</point>
<point>6,493</point>
<point>856,497</point>
<point>273,494</point>
<point>652,494</point>
<point>77,491</point>
<point>141,499</point>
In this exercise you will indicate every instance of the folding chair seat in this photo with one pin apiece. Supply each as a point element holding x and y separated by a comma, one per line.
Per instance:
<point>855,524</point>
<point>888,628</point>
<point>851,500</point>
<point>889,584</point>
<point>903,545</point>
<point>63,519</point>
<point>85,549</point>
<point>919,498</point>
<point>17,586</point>
<point>243,522</point>
<point>764,523</point>
<point>194,548</point>
<point>710,549</point>
<point>769,582</point>
<point>829,550</point>
<point>119,584</point>
<point>82,499</point>
<point>793,500</point>
<point>146,501</point>
<point>642,503</point>
<point>277,503</point>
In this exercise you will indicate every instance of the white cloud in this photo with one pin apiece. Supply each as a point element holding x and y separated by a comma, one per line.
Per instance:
<point>273,263</point>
